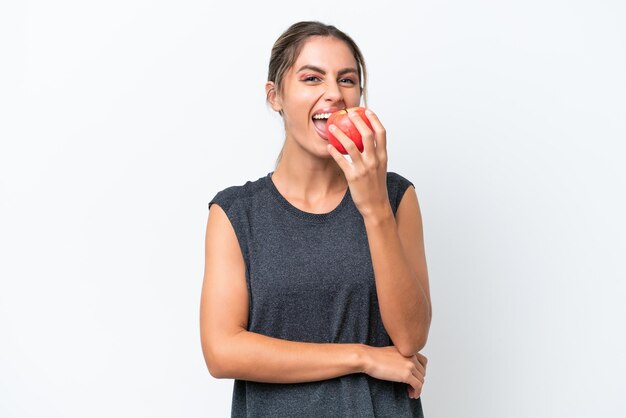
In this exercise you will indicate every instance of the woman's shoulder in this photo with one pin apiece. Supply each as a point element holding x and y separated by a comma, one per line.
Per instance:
<point>397,184</point>
<point>228,195</point>
<point>397,178</point>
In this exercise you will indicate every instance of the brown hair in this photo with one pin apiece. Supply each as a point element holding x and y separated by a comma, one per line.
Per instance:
<point>288,46</point>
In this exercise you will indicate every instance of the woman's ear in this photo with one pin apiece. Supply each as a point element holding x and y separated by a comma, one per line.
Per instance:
<point>272,98</point>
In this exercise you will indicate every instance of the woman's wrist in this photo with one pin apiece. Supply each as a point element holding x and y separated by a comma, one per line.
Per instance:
<point>363,358</point>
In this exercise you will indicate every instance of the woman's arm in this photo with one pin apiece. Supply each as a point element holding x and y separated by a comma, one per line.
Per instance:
<point>230,351</point>
<point>256,357</point>
<point>399,261</point>
<point>396,244</point>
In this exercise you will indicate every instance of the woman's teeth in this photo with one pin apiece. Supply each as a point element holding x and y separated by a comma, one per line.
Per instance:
<point>321,116</point>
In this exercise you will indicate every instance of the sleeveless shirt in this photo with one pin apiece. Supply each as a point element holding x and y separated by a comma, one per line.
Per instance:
<point>310,278</point>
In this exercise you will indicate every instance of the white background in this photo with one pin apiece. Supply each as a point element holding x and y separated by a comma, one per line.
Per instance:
<point>121,119</point>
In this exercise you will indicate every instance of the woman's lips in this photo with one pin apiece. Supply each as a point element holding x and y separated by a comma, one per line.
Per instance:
<point>320,132</point>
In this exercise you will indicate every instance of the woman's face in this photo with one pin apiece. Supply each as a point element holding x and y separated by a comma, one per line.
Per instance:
<point>323,79</point>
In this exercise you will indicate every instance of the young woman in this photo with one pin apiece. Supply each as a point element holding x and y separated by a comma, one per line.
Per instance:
<point>315,296</point>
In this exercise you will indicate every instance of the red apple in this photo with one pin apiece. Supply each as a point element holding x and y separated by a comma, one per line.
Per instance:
<point>342,121</point>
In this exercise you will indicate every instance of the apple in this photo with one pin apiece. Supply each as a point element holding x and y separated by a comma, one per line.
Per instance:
<point>342,121</point>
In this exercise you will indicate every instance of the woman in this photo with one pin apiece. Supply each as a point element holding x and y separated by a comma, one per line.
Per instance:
<point>315,296</point>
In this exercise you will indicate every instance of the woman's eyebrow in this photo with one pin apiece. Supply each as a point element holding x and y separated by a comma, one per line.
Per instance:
<point>319,70</point>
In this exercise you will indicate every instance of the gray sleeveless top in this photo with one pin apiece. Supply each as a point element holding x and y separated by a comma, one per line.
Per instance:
<point>310,278</point>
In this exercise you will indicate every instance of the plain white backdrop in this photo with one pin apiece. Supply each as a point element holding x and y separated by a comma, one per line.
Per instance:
<point>119,120</point>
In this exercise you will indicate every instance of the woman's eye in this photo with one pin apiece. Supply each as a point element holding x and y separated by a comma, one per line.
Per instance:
<point>315,78</point>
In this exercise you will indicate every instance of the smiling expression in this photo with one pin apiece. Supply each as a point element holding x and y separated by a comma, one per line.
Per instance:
<point>323,79</point>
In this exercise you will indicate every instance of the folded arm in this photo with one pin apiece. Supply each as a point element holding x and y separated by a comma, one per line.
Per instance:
<point>399,261</point>
<point>230,351</point>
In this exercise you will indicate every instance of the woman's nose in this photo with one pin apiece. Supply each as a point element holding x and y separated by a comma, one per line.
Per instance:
<point>333,92</point>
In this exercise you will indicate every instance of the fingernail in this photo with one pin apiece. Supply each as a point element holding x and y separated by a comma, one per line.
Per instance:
<point>332,128</point>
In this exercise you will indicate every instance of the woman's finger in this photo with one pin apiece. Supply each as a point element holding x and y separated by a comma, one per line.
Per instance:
<point>380,133</point>
<point>338,157</point>
<point>422,360</point>
<point>416,385</point>
<point>347,143</point>
<point>367,135</point>
<point>413,394</point>
<point>418,365</point>
<point>419,375</point>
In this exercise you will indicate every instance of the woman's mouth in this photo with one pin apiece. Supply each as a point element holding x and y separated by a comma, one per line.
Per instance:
<point>319,122</point>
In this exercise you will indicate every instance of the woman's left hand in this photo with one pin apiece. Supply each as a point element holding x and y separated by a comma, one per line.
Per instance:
<point>367,173</point>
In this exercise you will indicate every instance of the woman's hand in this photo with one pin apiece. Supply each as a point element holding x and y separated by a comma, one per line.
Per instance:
<point>387,363</point>
<point>367,173</point>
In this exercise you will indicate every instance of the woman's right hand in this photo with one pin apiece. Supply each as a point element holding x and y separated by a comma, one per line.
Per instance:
<point>387,363</point>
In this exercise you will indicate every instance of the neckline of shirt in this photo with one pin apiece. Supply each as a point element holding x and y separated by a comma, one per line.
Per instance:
<point>299,212</point>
